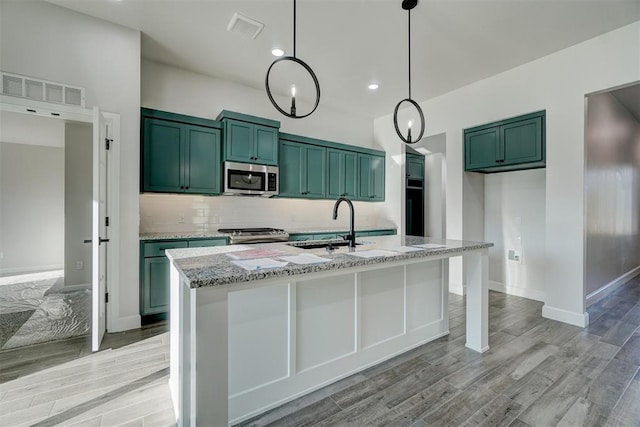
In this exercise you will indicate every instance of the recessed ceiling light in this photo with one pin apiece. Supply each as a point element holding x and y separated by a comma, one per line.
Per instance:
<point>276,51</point>
<point>373,86</point>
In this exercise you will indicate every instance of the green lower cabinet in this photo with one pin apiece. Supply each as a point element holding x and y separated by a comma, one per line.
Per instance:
<point>300,237</point>
<point>155,288</point>
<point>381,233</point>
<point>302,170</point>
<point>155,267</point>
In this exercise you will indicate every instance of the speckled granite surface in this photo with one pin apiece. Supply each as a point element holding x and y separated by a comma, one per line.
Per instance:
<point>181,235</point>
<point>201,234</point>
<point>212,267</point>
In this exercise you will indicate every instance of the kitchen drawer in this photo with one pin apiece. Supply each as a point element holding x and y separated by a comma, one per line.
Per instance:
<point>381,233</point>
<point>203,243</point>
<point>157,248</point>
<point>300,237</point>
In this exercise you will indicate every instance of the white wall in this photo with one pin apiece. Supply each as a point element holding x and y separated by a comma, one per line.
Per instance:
<point>557,83</point>
<point>514,219</point>
<point>31,208</point>
<point>612,185</point>
<point>78,182</point>
<point>180,91</point>
<point>42,40</point>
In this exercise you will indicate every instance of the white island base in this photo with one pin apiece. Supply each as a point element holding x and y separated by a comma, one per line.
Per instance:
<point>240,349</point>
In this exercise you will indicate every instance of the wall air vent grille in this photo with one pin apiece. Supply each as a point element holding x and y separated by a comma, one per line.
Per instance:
<point>246,27</point>
<point>42,90</point>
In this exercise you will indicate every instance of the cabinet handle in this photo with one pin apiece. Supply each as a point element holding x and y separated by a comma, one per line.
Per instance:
<point>182,187</point>
<point>186,188</point>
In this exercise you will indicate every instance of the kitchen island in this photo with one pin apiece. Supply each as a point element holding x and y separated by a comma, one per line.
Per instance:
<point>244,341</point>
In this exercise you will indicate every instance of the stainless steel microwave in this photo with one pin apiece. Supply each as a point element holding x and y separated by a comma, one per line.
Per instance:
<point>250,179</point>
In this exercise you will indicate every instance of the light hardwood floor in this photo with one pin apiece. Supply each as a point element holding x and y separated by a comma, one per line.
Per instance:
<point>538,372</point>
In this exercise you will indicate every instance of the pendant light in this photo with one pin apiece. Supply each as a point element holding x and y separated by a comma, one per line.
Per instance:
<point>408,5</point>
<point>292,109</point>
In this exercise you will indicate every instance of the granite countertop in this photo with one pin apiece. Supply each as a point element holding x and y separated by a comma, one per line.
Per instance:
<point>182,235</point>
<point>212,234</point>
<point>212,267</point>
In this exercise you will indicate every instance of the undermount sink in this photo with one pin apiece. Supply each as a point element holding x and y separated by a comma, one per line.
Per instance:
<point>322,244</point>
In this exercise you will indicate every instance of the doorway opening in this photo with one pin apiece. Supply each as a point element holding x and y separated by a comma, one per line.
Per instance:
<point>47,226</point>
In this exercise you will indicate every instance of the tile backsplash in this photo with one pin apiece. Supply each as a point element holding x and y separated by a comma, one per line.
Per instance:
<point>188,213</point>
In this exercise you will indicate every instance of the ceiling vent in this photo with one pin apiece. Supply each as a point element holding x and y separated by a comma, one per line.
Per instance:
<point>41,90</point>
<point>246,27</point>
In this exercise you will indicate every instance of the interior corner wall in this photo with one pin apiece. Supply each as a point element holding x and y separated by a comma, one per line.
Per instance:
<point>78,202</point>
<point>612,186</point>
<point>515,220</point>
<point>181,91</point>
<point>556,83</point>
<point>31,208</point>
<point>42,40</point>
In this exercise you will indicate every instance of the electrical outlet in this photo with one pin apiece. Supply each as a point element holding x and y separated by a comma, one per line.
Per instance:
<point>515,255</point>
<point>1,255</point>
<point>181,219</point>
<point>79,265</point>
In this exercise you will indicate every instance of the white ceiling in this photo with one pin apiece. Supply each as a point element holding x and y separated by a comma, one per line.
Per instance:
<point>350,43</point>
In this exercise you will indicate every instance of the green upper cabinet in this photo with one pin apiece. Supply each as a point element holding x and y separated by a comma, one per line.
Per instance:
<point>512,144</point>
<point>249,139</point>
<point>342,176</point>
<point>302,170</point>
<point>163,152</point>
<point>371,177</point>
<point>179,157</point>
<point>415,166</point>
<point>202,165</point>
<point>316,169</point>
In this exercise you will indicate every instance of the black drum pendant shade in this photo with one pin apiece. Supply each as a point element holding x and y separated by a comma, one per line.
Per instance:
<point>408,5</point>
<point>292,110</point>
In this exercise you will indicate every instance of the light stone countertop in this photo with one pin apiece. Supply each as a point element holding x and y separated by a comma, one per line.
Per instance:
<point>213,234</point>
<point>212,267</point>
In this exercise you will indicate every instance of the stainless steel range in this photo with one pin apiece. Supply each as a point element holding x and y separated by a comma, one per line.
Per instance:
<point>238,236</point>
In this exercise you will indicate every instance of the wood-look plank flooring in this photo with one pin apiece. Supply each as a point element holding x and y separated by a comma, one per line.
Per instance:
<point>538,372</point>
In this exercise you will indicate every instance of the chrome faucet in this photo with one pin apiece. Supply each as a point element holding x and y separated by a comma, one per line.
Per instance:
<point>351,237</point>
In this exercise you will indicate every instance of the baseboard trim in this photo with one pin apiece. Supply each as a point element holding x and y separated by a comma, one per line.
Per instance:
<point>25,270</point>
<point>73,288</point>
<point>125,323</point>
<point>565,316</point>
<point>517,291</point>
<point>612,286</point>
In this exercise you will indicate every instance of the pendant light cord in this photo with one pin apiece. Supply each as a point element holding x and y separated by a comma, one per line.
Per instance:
<point>409,37</point>
<point>294,28</point>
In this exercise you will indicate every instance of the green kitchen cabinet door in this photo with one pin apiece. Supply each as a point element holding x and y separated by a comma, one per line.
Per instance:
<point>265,145</point>
<point>365,183</point>
<point>163,160</point>
<point>377,178</point>
<point>415,166</point>
<point>521,141</point>
<point>291,169</point>
<point>482,148</point>
<point>239,141</point>
<point>205,243</point>
<point>350,170</point>
<point>342,174</point>
<point>155,289</point>
<point>314,171</point>
<point>335,179</point>
<point>202,151</point>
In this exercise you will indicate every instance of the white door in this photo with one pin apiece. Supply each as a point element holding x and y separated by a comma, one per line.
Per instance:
<point>99,237</point>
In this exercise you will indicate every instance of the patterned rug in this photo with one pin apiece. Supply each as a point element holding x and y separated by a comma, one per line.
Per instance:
<point>36,308</point>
